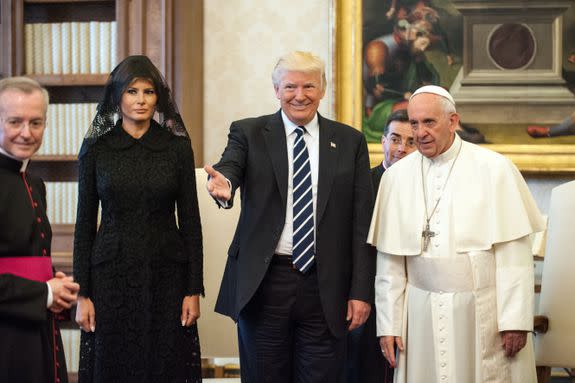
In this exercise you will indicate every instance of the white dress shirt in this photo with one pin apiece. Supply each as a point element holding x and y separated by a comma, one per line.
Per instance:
<point>311,138</point>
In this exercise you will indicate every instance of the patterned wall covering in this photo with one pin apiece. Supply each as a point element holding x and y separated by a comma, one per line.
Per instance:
<point>243,40</point>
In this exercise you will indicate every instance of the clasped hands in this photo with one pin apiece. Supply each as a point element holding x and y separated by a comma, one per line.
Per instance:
<point>64,292</point>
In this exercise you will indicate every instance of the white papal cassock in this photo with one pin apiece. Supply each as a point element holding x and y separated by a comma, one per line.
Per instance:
<point>475,279</point>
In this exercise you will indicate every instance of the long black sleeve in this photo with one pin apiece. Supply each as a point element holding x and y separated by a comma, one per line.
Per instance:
<point>190,227</point>
<point>86,220</point>
<point>22,298</point>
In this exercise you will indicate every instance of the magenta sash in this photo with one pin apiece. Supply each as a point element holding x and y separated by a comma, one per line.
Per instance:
<point>35,268</point>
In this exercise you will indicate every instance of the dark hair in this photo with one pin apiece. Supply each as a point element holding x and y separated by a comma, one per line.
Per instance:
<point>399,115</point>
<point>130,69</point>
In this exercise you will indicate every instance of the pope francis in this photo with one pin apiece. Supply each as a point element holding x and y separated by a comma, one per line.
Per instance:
<point>454,283</point>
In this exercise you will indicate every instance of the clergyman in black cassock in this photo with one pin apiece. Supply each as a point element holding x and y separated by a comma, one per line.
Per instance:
<point>30,345</point>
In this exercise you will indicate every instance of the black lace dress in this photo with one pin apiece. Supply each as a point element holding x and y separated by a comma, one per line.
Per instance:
<point>139,264</point>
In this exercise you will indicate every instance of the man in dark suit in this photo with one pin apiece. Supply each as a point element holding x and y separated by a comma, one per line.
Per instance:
<point>30,294</point>
<point>397,142</point>
<point>366,363</point>
<point>299,274</point>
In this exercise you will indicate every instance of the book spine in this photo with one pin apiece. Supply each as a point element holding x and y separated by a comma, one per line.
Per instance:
<point>70,129</point>
<point>38,50</point>
<point>113,45</point>
<point>105,49</point>
<point>73,129</point>
<point>29,48</point>
<point>75,47</point>
<point>56,46</point>
<point>66,48</point>
<point>94,46</point>
<point>62,127</point>
<point>84,48</point>
<point>46,47</point>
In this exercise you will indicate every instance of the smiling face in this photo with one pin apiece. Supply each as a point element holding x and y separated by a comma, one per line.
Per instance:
<point>138,102</point>
<point>22,122</point>
<point>299,94</point>
<point>433,127</point>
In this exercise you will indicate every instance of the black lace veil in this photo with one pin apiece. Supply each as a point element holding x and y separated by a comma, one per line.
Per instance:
<point>108,110</point>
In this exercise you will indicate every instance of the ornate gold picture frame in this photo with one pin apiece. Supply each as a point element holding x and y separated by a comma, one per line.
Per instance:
<point>546,155</point>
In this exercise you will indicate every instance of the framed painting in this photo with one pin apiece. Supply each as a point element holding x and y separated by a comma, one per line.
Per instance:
<point>510,65</point>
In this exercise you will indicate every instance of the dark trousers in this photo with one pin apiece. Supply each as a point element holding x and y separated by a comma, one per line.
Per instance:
<point>365,361</point>
<point>282,332</point>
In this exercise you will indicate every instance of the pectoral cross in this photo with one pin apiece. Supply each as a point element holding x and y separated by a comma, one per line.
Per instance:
<point>426,235</point>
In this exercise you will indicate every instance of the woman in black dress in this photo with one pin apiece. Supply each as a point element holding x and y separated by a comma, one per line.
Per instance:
<point>140,271</point>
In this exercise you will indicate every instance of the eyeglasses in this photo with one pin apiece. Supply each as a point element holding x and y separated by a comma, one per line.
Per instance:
<point>17,124</point>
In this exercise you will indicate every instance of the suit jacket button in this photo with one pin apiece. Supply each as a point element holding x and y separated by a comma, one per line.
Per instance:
<point>267,259</point>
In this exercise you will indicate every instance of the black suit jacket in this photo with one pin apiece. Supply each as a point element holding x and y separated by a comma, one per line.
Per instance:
<point>256,161</point>
<point>376,174</point>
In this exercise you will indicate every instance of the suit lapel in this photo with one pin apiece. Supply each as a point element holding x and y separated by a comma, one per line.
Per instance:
<point>275,138</point>
<point>327,164</point>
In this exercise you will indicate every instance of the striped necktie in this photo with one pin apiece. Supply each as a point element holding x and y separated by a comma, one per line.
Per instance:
<point>303,250</point>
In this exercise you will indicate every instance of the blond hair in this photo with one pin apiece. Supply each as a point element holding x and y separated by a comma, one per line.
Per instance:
<point>25,85</point>
<point>298,61</point>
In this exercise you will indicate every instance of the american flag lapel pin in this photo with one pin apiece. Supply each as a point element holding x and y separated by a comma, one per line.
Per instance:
<point>332,144</point>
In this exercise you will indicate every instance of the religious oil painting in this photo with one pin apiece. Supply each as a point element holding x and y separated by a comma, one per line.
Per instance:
<point>509,64</point>
<point>406,44</point>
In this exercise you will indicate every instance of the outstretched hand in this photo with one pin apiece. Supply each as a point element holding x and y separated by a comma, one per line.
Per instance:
<point>217,185</point>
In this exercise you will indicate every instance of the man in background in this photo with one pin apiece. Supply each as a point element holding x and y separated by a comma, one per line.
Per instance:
<point>397,142</point>
<point>30,294</point>
<point>366,363</point>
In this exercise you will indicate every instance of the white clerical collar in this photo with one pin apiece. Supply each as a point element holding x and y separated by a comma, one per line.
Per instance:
<point>311,127</point>
<point>24,162</point>
<point>450,153</point>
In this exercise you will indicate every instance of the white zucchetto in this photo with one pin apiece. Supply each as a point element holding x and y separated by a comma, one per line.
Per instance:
<point>435,90</point>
